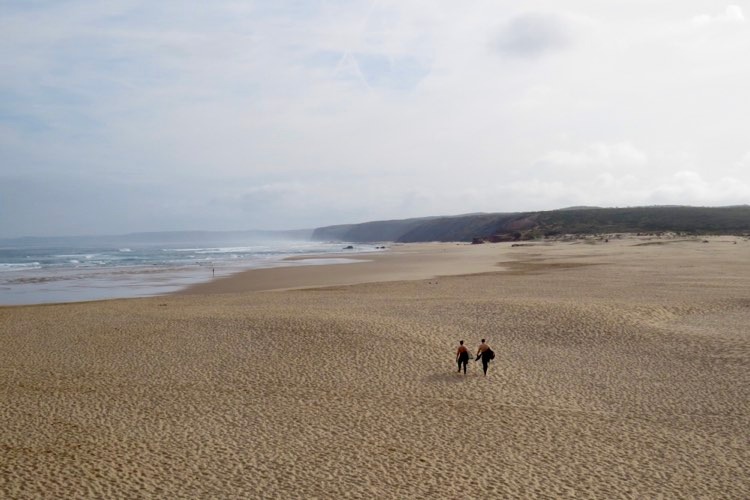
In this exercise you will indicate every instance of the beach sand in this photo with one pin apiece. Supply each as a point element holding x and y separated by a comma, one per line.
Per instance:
<point>622,371</point>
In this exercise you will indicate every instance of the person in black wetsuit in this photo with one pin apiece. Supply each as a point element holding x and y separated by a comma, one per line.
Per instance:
<point>462,356</point>
<point>485,353</point>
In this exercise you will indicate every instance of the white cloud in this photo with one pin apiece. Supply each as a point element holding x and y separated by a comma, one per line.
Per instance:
<point>594,159</point>
<point>533,34</point>
<point>732,14</point>
<point>693,186</point>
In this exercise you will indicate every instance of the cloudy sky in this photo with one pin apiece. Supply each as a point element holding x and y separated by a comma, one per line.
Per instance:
<point>135,115</point>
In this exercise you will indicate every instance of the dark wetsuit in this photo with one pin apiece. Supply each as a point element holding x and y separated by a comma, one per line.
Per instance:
<point>484,353</point>
<point>462,358</point>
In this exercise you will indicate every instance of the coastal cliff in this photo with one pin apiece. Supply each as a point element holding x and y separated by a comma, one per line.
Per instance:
<point>533,225</point>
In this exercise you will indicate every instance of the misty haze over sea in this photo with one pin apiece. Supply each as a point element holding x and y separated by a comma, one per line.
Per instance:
<point>71,269</point>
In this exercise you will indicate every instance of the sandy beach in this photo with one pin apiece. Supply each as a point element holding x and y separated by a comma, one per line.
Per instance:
<point>622,371</point>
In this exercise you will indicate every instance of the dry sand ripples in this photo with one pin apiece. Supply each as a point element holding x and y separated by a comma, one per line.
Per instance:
<point>625,375</point>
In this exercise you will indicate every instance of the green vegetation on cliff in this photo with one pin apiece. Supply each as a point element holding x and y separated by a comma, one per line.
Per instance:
<point>529,225</point>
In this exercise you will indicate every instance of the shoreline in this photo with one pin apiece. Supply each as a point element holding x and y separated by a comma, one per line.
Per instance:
<point>400,262</point>
<point>138,281</point>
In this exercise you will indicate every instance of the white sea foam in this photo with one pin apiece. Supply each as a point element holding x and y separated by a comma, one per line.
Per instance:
<point>36,275</point>
<point>219,250</point>
<point>19,266</point>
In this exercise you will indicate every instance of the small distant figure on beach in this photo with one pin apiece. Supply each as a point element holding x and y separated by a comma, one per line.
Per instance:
<point>486,354</point>
<point>213,272</point>
<point>462,356</point>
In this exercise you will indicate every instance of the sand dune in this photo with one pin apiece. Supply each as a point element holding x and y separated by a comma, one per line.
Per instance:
<point>622,371</point>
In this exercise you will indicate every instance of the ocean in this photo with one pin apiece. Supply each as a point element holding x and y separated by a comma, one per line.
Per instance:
<point>75,272</point>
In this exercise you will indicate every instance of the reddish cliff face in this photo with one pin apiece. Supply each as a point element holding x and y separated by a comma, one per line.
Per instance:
<point>496,238</point>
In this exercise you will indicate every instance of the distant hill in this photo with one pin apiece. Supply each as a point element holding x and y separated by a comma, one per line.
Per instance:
<point>531,225</point>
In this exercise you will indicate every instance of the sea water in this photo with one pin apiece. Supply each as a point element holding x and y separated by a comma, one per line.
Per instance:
<point>51,274</point>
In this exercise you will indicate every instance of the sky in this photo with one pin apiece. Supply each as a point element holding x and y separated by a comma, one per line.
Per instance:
<point>131,115</point>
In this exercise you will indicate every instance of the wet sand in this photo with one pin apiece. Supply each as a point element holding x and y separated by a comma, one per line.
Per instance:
<point>622,371</point>
<point>400,262</point>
